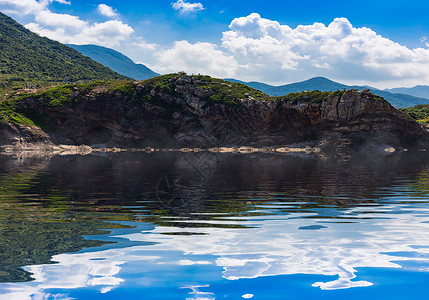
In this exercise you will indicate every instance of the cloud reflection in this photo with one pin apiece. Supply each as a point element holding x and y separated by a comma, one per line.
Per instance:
<point>277,246</point>
<point>270,246</point>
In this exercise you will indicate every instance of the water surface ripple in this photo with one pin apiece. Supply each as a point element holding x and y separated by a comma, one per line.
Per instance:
<point>214,226</point>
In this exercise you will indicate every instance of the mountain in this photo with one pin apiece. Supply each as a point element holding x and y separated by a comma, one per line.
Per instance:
<point>116,61</point>
<point>417,91</point>
<point>323,84</point>
<point>26,58</point>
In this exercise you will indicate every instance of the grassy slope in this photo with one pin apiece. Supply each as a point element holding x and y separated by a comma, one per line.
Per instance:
<point>27,59</point>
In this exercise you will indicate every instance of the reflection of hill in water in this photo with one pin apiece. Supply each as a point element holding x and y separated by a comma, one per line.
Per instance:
<point>46,208</point>
<point>38,221</point>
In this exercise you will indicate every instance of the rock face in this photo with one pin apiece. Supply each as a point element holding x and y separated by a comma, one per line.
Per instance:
<point>11,134</point>
<point>184,116</point>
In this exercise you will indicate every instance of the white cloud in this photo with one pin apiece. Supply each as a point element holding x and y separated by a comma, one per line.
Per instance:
<point>147,46</point>
<point>186,7</point>
<point>21,7</point>
<point>106,10</point>
<point>50,19</point>
<point>255,48</point>
<point>339,51</point>
<point>25,7</point>
<point>109,33</point>
<point>47,2</point>
<point>204,58</point>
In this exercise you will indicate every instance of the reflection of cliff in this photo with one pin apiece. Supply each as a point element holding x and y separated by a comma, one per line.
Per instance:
<point>186,184</point>
<point>216,183</point>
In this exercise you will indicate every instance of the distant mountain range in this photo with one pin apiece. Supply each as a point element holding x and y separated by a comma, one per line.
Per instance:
<point>116,61</point>
<point>398,100</point>
<point>417,91</point>
<point>28,59</point>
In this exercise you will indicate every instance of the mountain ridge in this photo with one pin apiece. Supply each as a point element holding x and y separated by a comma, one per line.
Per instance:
<point>416,91</point>
<point>324,84</point>
<point>115,61</point>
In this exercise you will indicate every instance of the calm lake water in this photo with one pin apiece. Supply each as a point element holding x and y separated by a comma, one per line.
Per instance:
<point>214,226</point>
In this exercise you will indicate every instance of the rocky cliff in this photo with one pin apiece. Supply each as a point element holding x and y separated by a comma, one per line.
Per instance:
<point>177,110</point>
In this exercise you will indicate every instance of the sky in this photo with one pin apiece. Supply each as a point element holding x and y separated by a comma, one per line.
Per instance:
<point>383,44</point>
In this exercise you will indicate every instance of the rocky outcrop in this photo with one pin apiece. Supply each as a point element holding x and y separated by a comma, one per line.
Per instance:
<point>22,135</point>
<point>185,115</point>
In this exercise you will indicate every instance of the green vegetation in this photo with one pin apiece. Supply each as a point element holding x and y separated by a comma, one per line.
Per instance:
<point>228,92</point>
<point>57,95</point>
<point>8,114</point>
<point>313,96</point>
<point>163,83</point>
<point>418,112</point>
<point>28,61</point>
<point>127,89</point>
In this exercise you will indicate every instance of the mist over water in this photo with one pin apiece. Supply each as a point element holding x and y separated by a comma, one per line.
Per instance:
<point>214,226</point>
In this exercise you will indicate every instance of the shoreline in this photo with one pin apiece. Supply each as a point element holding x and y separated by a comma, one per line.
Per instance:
<point>63,150</point>
<point>85,149</point>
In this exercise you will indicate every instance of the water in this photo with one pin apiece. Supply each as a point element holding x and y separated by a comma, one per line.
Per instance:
<point>214,226</point>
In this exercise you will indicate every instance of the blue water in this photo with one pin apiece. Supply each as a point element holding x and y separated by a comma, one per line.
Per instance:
<point>214,226</point>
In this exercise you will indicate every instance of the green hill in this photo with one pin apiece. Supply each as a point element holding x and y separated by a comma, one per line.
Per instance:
<point>324,84</point>
<point>26,59</point>
<point>116,61</point>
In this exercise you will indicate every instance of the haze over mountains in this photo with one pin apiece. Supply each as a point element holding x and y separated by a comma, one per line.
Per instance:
<point>116,61</point>
<point>417,91</point>
<point>398,100</point>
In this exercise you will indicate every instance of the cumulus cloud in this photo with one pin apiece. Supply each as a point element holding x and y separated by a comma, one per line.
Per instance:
<point>25,7</point>
<point>109,33</point>
<point>21,7</point>
<point>106,10</point>
<point>338,50</point>
<point>48,18</point>
<point>186,7</point>
<point>255,48</point>
<point>204,58</point>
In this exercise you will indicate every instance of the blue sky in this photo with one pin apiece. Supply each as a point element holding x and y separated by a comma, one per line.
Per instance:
<point>381,43</point>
